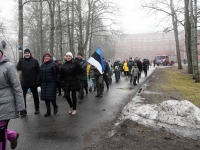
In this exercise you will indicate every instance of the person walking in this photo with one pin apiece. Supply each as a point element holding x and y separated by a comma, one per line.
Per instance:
<point>82,75</point>
<point>48,83</point>
<point>92,78</point>
<point>58,65</point>
<point>130,65</point>
<point>139,66</point>
<point>69,80</point>
<point>126,69</point>
<point>134,72</point>
<point>11,99</point>
<point>145,65</point>
<point>30,78</point>
<point>106,73</point>
<point>99,82</point>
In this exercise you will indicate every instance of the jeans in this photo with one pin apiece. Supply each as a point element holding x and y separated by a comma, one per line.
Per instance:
<point>92,83</point>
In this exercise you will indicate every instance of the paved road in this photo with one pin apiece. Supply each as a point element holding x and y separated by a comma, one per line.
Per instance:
<point>65,132</point>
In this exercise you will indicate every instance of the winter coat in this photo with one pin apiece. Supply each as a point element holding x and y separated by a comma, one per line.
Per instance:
<point>139,65</point>
<point>130,64</point>
<point>107,68</point>
<point>11,95</point>
<point>48,81</point>
<point>88,69</point>
<point>125,67</point>
<point>116,63</point>
<point>30,71</point>
<point>82,74</point>
<point>69,76</point>
<point>135,71</point>
<point>91,72</point>
<point>145,64</point>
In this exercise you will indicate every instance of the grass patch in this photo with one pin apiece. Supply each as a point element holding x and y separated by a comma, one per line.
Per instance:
<point>181,81</point>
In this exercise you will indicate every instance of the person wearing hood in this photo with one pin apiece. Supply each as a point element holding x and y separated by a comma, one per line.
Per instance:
<point>49,83</point>
<point>11,99</point>
<point>30,69</point>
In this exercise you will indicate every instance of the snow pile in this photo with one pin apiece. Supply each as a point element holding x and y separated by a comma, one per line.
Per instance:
<point>178,117</point>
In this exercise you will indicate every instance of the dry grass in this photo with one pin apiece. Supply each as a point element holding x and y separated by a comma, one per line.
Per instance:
<point>181,81</point>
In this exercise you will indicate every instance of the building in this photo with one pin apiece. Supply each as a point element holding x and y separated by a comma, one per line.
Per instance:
<point>148,45</point>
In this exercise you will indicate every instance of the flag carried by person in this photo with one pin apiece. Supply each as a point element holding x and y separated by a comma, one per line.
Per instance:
<point>97,60</point>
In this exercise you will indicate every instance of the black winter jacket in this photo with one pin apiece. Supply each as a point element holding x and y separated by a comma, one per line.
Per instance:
<point>83,63</point>
<point>48,81</point>
<point>69,76</point>
<point>107,68</point>
<point>30,71</point>
<point>139,65</point>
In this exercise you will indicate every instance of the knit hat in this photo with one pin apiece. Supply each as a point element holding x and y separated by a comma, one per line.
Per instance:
<point>80,54</point>
<point>70,54</point>
<point>2,46</point>
<point>27,50</point>
<point>47,54</point>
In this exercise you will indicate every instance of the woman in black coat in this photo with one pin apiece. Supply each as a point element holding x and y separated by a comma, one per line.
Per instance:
<point>69,79</point>
<point>48,83</point>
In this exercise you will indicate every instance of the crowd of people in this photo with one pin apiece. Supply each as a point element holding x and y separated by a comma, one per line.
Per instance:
<point>54,76</point>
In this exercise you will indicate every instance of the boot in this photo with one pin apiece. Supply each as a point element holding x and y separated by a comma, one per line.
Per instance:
<point>94,88</point>
<point>56,109</point>
<point>48,113</point>
<point>37,110</point>
<point>13,144</point>
<point>90,89</point>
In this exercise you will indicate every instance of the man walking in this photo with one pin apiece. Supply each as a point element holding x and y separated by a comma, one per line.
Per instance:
<point>105,74</point>
<point>30,78</point>
<point>82,75</point>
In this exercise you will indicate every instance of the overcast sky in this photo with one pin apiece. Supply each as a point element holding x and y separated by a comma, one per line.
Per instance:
<point>133,19</point>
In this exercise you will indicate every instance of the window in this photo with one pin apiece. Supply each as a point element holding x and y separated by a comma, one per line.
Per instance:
<point>158,48</point>
<point>150,48</point>
<point>145,48</point>
<point>166,47</point>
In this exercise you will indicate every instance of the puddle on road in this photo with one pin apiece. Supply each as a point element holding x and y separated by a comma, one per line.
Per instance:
<point>126,88</point>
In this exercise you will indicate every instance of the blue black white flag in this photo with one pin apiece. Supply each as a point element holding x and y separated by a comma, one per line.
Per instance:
<point>97,60</point>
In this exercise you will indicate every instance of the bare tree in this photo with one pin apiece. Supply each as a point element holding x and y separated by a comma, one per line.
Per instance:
<point>20,31</point>
<point>175,27</point>
<point>187,27</point>
<point>170,11</point>
<point>193,21</point>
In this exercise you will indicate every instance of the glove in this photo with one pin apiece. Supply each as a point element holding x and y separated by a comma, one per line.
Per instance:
<point>37,84</point>
<point>21,59</point>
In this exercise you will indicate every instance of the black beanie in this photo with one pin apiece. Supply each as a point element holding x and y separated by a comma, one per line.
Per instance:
<point>80,54</point>
<point>27,50</point>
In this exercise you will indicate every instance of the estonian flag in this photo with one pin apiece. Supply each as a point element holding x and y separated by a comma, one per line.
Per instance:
<point>97,60</point>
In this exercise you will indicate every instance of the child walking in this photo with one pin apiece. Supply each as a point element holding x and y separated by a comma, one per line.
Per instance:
<point>134,72</point>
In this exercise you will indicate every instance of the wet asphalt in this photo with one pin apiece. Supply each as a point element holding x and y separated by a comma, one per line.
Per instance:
<point>63,131</point>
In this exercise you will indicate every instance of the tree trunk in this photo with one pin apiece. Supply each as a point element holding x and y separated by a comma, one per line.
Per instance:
<point>188,37</point>
<point>20,31</point>
<point>175,26</point>
<point>70,26</point>
<point>41,31</point>
<point>80,27</point>
<point>52,26</point>
<point>194,40</point>
<point>60,32</point>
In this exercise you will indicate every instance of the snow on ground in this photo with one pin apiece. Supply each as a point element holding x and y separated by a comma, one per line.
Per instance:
<point>178,117</point>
